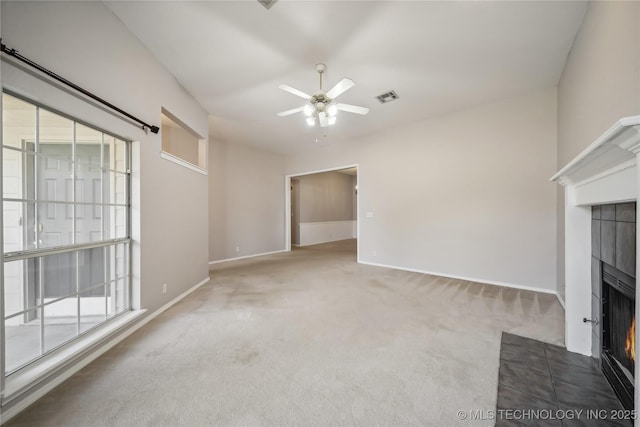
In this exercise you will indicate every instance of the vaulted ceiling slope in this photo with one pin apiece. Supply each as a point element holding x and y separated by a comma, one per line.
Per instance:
<point>439,57</point>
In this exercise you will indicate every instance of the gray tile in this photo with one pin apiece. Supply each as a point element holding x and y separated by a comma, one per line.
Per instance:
<point>519,355</point>
<point>592,420</point>
<point>518,376</point>
<point>561,356</point>
<point>595,212</point>
<point>511,418</point>
<point>527,344</point>
<point>608,242</point>
<point>608,212</point>
<point>577,385</point>
<point>572,396</point>
<point>507,423</point>
<point>516,419</point>
<point>586,378</point>
<point>595,238</point>
<point>596,277</point>
<point>626,212</point>
<point>626,247</point>
<point>511,398</point>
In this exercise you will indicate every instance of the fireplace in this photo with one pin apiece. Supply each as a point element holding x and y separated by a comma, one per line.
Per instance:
<point>605,175</point>
<point>618,332</point>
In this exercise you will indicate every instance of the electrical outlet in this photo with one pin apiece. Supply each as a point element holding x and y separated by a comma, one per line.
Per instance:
<point>237,248</point>
<point>164,288</point>
<point>374,253</point>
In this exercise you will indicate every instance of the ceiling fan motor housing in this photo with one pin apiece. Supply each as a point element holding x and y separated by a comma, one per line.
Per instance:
<point>320,101</point>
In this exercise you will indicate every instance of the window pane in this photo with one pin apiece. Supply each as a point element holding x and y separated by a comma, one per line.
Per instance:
<point>115,188</point>
<point>115,154</point>
<point>116,222</point>
<point>60,322</point>
<point>119,301</point>
<point>57,156</point>
<point>59,275</point>
<point>121,162</point>
<point>16,167</point>
<point>21,286</point>
<point>88,144</point>
<point>18,121</point>
<point>55,179</point>
<point>91,269</point>
<point>13,214</point>
<point>55,224</point>
<point>22,339</point>
<point>92,308</point>
<point>118,256</point>
<point>55,137</point>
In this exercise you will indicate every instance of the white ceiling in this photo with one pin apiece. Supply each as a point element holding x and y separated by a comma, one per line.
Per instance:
<point>438,56</point>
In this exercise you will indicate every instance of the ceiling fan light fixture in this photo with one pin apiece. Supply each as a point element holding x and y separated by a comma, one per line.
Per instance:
<point>308,110</point>
<point>320,108</point>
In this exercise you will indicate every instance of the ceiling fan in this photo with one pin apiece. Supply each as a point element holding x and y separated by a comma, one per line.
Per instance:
<point>321,105</point>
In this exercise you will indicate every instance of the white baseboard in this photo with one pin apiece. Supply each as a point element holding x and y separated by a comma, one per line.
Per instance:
<point>168,305</point>
<point>470,279</point>
<point>220,261</point>
<point>20,403</point>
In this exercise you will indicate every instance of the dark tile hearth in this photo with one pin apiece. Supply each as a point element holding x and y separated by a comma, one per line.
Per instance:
<point>540,378</point>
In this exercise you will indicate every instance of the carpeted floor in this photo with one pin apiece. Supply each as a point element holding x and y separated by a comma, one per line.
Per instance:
<point>308,338</point>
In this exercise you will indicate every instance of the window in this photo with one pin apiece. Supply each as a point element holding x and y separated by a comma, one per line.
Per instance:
<point>182,144</point>
<point>66,234</point>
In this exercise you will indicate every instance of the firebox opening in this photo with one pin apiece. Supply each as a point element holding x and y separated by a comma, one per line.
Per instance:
<point>618,332</point>
<point>619,319</point>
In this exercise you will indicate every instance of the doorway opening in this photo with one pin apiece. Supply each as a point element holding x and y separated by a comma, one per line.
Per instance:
<point>322,207</point>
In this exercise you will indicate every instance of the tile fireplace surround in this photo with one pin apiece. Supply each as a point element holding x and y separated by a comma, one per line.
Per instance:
<point>606,172</point>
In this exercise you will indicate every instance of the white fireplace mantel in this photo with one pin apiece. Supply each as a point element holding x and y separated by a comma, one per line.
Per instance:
<point>606,172</point>
<point>600,174</point>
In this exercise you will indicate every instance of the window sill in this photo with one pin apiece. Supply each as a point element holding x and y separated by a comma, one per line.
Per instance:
<point>183,163</point>
<point>21,381</point>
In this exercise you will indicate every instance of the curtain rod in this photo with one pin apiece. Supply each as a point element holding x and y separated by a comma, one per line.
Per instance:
<point>14,53</point>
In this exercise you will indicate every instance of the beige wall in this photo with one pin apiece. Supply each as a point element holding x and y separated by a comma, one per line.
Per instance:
<point>466,195</point>
<point>599,85</point>
<point>246,201</point>
<point>88,45</point>
<point>326,196</point>
<point>601,79</point>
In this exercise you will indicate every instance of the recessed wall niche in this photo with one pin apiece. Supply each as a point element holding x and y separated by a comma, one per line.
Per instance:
<point>182,143</point>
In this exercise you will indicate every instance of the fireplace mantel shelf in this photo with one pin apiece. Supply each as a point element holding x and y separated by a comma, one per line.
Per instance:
<point>614,151</point>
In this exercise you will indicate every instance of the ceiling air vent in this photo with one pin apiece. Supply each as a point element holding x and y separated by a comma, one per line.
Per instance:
<point>267,3</point>
<point>387,97</point>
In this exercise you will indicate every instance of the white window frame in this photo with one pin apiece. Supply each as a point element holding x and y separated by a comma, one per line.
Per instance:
<point>20,379</point>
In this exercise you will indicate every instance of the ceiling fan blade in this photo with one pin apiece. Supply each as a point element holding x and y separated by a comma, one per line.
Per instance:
<point>341,87</point>
<point>292,111</point>
<point>294,91</point>
<point>324,122</point>
<point>352,109</point>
